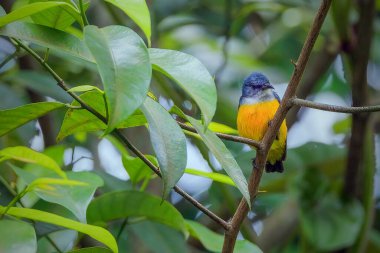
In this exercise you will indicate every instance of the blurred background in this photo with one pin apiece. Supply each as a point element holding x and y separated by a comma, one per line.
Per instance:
<point>301,210</point>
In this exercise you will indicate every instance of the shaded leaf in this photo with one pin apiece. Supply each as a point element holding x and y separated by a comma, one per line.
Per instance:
<point>138,11</point>
<point>123,63</point>
<point>85,88</point>
<point>137,169</point>
<point>13,118</point>
<point>28,155</point>
<point>214,242</point>
<point>95,232</point>
<point>117,205</point>
<point>168,142</point>
<point>189,73</point>
<point>91,250</point>
<point>17,236</point>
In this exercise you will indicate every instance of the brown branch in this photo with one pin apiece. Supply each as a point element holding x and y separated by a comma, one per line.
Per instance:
<point>334,108</point>
<point>254,180</point>
<point>224,136</point>
<point>120,136</point>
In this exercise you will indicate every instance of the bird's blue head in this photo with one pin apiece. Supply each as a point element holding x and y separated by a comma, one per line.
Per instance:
<point>255,83</point>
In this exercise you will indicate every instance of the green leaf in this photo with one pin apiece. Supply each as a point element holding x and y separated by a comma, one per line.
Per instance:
<point>189,73</point>
<point>214,242</point>
<point>138,11</point>
<point>85,88</point>
<point>28,155</point>
<point>48,37</point>
<point>118,205</point>
<point>123,63</point>
<point>95,232</point>
<point>137,169</point>
<point>91,250</point>
<point>221,128</point>
<point>224,156</point>
<point>75,198</point>
<point>217,177</point>
<point>56,17</point>
<point>45,183</point>
<point>76,121</point>
<point>13,118</point>
<point>17,236</point>
<point>33,8</point>
<point>168,142</point>
<point>326,226</point>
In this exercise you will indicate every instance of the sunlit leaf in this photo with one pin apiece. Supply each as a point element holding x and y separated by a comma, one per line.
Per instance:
<point>28,155</point>
<point>85,88</point>
<point>123,63</point>
<point>13,118</point>
<point>95,232</point>
<point>217,177</point>
<point>189,73</point>
<point>168,142</point>
<point>33,8</point>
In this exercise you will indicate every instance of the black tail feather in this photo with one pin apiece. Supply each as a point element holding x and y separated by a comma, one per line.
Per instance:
<point>276,167</point>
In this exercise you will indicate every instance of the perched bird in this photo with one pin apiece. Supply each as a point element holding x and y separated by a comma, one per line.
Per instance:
<point>257,107</point>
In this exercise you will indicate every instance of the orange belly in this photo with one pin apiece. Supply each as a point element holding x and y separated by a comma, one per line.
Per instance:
<point>253,121</point>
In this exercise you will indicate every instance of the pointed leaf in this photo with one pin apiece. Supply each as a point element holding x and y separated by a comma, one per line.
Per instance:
<point>118,205</point>
<point>13,118</point>
<point>17,236</point>
<point>95,232</point>
<point>217,177</point>
<point>85,88</point>
<point>214,242</point>
<point>224,156</point>
<point>123,63</point>
<point>28,155</point>
<point>138,11</point>
<point>189,73</point>
<point>168,142</point>
<point>33,8</point>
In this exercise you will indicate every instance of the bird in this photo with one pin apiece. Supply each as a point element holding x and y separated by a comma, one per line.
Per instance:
<point>257,107</point>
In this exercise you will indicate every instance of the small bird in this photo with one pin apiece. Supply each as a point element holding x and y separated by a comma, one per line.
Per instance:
<point>257,107</point>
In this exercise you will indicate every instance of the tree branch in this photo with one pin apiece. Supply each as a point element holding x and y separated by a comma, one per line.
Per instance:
<point>254,180</point>
<point>334,108</point>
<point>120,136</point>
<point>224,136</point>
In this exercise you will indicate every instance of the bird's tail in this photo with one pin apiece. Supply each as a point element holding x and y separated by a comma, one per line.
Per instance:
<point>276,167</point>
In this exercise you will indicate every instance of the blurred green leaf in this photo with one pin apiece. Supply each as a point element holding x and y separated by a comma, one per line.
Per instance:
<point>118,205</point>
<point>343,126</point>
<point>33,8</point>
<point>217,177</point>
<point>27,155</point>
<point>123,63</point>
<point>168,142</point>
<point>224,156</point>
<point>75,198</point>
<point>56,17</point>
<point>221,128</point>
<point>332,225</point>
<point>91,250</point>
<point>137,169</point>
<point>17,236</point>
<point>95,232</point>
<point>189,73</point>
<point>45,183</point>
<point>16,117</point>
<point>138,11</point>
<point>214,242</point>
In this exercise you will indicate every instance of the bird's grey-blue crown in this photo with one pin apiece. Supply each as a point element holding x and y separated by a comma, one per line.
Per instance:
<point>254,84</point>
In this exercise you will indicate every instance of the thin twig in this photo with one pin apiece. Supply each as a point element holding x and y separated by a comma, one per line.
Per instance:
<point>229,137</point>
<point>254,180</point>
<point>334,108</point>
<point>10,57</point>
<point>119,135</point>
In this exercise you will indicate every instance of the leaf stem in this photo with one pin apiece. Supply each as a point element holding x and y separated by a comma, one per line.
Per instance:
<point>83,13</point>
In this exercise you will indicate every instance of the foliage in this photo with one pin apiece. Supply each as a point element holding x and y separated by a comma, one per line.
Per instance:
<point>161,63</point>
